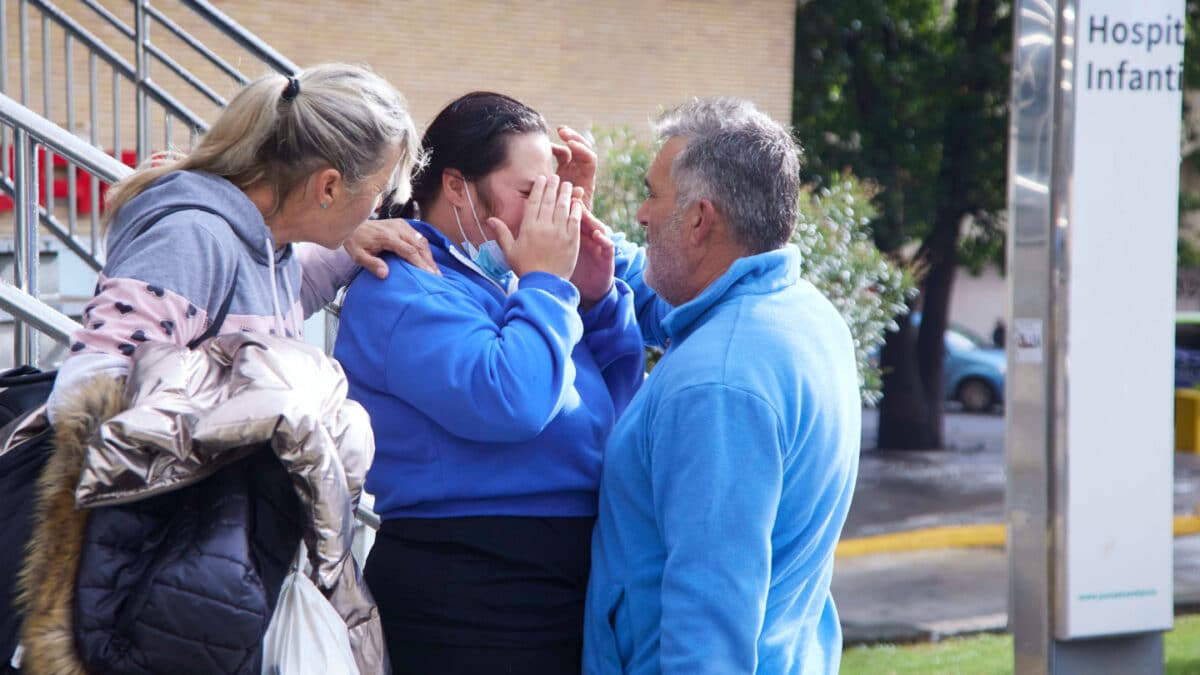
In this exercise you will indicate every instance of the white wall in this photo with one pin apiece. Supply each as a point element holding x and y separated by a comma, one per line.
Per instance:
<point>978,301</point>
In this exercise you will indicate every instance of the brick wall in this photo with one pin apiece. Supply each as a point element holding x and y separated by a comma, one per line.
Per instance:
<point>578,62</point>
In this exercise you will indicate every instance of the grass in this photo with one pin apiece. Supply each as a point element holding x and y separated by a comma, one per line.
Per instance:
<point>993,655</point>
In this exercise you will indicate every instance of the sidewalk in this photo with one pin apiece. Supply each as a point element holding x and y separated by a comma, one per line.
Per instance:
<point>949,507</point>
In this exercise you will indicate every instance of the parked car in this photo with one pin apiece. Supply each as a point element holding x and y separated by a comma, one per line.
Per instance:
<point>1187,349</point>
<point>974,371</point>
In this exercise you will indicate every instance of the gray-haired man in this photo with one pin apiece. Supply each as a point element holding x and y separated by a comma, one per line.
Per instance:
<point>727,480</point>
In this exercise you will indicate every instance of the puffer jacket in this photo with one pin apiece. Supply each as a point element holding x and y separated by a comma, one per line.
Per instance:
<point>182,416</point>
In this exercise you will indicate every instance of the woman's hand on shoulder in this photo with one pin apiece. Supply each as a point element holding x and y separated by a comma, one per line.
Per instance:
<point>375,237</point>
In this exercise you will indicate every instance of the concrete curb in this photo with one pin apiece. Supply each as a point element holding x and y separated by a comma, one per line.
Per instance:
<point>985,535</point>
<point>900,633</point>
<point>936,631</point>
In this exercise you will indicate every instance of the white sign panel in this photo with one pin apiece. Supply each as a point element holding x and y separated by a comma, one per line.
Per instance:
<point>1115,572</point>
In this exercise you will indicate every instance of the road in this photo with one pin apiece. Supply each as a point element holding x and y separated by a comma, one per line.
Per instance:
<point>964,432</point>
<point>961,485</point>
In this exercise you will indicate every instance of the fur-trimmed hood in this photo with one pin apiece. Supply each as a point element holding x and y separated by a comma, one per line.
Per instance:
<point>182,415</point>
<point>47,582</point>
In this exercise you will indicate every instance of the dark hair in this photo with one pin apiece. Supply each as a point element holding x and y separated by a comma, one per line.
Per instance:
<point>471,135</point>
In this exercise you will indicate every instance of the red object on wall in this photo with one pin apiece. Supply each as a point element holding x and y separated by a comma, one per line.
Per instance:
<point>61,183</point>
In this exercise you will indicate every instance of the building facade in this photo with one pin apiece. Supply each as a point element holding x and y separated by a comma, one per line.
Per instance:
<point>581,63</point>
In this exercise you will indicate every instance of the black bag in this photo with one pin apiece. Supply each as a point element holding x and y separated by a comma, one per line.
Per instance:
<point>25,388</point>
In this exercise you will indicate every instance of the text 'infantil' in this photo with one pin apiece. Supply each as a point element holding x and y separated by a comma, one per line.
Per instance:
<point>1124,75</point>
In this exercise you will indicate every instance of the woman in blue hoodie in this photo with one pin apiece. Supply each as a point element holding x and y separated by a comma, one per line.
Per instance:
<point>492,389</point>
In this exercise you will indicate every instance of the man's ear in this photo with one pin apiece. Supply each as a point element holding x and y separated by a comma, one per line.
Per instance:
<point>454,187</point>
<point>704,222</point>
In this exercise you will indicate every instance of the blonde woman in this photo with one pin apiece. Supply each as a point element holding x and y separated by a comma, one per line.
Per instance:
<point>292,162</point>
<point>243,234</point>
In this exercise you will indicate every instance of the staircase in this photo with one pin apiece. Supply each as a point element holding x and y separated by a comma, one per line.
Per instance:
<point>52,179</point>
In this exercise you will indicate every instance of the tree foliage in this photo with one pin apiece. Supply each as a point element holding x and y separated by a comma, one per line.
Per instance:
<point>876,84</point>
<point>1189,202</point>
<point>620,182</point>
<point>912,95</point>
<point>1191,48</point>
<point>837,253</point>
<point>857,66</point>
<point>838,257</point>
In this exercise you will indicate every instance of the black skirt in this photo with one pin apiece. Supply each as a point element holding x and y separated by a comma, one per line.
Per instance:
<point>486,594</point>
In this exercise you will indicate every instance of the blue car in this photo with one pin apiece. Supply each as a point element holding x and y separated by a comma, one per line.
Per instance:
<point>1187,349</point>
<point>974,371</point>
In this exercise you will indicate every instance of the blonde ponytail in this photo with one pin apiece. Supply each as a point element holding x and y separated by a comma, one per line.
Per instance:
<point>343,116</point>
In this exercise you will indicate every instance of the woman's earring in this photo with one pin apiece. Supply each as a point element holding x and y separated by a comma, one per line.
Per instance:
<point>324,205</point>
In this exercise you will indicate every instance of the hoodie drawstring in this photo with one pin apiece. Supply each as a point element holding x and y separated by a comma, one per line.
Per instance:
<point>287,287</point>
<point>269,243</point>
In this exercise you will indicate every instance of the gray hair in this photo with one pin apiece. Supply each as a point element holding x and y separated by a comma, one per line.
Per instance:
<point>744,162</point>
<point>343,116</point>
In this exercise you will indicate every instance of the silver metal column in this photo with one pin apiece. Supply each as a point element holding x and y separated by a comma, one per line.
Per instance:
<point>25,252</point>
<point>1041,181</point>
<point>1030,253</point>
<point>142,64</point>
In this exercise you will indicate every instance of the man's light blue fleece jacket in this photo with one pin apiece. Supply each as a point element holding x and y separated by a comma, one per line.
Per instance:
<point>727,481</point>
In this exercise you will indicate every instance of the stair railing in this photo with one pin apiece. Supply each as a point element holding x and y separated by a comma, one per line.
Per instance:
<point>52,188</point>
<point>34,137</point>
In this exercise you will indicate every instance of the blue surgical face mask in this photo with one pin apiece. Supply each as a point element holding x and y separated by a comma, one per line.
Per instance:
<point>489,257</point>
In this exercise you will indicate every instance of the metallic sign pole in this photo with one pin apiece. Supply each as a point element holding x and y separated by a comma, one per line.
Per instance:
<point>1095,107</point>
<point>1032,241</point>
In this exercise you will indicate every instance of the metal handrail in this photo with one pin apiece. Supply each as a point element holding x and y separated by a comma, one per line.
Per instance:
<point>118,63</point>
<point>138,73</point>
<point>61,141</point>
<point>249,41</point>
<point>186,75</point>
<point>174,66</point>
<point>61,232</point>
<point>367,516</point>
<point>37,314</point>
<point>24,131</point>
<point>108,17</point>
<point>21,299</point>
<point>197,45</point>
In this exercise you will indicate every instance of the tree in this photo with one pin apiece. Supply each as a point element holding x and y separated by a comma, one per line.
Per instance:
<point>912,94</point>
<point>1189,202</point>
<point>837,254</point>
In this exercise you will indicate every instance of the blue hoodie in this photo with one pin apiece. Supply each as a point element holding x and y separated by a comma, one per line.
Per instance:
<point>485,403</point>
<point>727,481</point>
